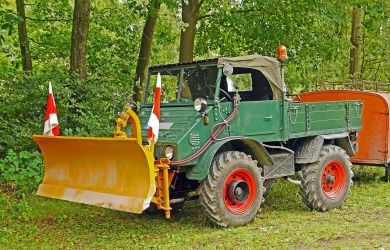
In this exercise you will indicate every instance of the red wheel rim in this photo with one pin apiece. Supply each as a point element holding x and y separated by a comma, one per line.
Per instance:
<point>239,191</point>
<point>333,179</point>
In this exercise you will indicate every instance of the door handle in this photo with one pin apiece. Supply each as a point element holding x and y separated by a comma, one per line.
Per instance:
<point>268,118</point>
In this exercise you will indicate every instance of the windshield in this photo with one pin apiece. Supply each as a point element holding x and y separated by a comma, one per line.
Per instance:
<point>184,85</point>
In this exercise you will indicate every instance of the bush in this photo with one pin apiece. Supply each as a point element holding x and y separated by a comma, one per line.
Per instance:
<point>87,108</point>
<point>22,171</point>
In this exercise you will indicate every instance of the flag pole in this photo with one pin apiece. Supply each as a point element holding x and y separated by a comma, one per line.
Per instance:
<point>151,145</point>
<point>154,119</point>
<point>51,126</point>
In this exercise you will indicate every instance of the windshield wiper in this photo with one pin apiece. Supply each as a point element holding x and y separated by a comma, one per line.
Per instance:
<point>192,72</point>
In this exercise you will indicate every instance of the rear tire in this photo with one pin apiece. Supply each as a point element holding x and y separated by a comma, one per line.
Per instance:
<point>268,183</point>
<point>325,184</point>
<point>232,193</point>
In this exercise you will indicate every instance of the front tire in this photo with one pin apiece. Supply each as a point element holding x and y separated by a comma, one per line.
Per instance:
<point>232,193</point>
<point>325,184</point>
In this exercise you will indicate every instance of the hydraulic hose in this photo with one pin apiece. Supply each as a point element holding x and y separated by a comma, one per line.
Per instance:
<point>214,134</point>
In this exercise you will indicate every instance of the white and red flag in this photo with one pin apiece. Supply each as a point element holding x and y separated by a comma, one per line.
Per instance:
<point>52,126</point>
<point>154,120</point>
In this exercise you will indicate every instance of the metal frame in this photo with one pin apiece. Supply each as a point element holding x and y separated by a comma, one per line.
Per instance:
<point>362,85</point>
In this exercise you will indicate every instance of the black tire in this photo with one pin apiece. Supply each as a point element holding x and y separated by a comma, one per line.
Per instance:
<point>232,193</point>
<point>153,209</point>
<point>268,183</point>
<point>325,184</point>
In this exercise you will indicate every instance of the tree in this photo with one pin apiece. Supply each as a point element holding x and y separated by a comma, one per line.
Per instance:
<point>78,60</point>
<point>23,39</point>
<point>190,16</point>
<point>355,40</point>
<point>145,50</point>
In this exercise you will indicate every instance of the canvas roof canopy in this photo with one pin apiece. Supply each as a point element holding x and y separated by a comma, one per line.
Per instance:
<point>268,66</point>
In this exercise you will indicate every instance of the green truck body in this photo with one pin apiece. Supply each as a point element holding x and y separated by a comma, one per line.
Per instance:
<point>233,130</point>
<point>260,121</point>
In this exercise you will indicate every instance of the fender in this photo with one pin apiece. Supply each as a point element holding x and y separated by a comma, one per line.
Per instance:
<point>309,150</point>
<point>247,145</point>
<point>343,141</point>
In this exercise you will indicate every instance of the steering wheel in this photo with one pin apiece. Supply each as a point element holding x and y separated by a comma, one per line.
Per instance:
<point>210,88</point>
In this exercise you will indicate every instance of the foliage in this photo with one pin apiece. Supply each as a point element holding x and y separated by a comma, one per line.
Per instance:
<point>24,98</point>
<point>8,20</point>
<point>23,170</point>
<point>166,43</point>
<point>317,38</point>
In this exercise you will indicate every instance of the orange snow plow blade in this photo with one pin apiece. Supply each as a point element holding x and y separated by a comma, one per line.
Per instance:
<point>116,173</point>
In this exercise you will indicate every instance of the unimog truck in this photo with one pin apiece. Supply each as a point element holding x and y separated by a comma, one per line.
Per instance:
<point>227,130</point>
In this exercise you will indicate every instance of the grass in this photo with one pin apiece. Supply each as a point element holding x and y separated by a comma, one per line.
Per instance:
<point>31,222</point>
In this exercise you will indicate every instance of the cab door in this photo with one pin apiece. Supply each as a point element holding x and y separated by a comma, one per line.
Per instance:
<point>258,113</point>
<point>259,117</point>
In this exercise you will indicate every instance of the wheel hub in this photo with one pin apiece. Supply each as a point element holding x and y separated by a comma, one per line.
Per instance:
<point>330,179</point>
<point>238,191</point>
<point>334,179</point>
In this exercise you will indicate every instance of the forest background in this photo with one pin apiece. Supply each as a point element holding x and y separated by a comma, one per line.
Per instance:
<point>95,53</point>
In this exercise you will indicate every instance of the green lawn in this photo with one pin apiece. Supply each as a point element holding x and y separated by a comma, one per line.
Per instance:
<point>285,223</point>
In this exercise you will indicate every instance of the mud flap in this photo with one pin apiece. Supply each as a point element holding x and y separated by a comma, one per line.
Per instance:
<point>116,173</point>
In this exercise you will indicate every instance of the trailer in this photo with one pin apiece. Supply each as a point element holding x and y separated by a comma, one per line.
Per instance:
<point>373,139</point>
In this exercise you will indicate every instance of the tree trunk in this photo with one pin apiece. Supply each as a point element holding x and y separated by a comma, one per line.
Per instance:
<point>23,39</point>
<point>355,40</point>
<point>190,16</point>
<point>78,52</point>
<point>145,50</point>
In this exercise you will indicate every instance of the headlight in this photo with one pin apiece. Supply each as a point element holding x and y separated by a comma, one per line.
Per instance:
<point>169,152</point>
<point>200,105</point>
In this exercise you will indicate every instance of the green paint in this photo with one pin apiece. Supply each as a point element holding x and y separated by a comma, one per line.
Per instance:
<point>257,121</point>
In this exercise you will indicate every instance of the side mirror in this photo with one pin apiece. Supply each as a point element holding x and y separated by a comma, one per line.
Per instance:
<point>227,69</point>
